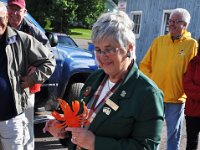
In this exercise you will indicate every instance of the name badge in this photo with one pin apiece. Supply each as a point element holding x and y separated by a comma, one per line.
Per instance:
<point>107,110</point>
<point>110,103</point>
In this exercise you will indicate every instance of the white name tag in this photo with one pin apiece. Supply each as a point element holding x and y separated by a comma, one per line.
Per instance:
<point>110,103</point>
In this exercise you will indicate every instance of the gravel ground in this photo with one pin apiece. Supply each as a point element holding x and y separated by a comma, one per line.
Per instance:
<point>44,141</point>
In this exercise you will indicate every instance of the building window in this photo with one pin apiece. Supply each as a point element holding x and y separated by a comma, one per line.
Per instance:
<point>165,19</point>
<point>136,17</point>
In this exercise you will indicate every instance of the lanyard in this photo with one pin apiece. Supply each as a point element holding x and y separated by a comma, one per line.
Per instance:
<point>95,108</point>
<point>108,94</point>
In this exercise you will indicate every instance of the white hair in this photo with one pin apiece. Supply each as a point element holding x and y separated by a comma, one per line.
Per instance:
<point>184,14</point>
<point>3,7</point>
<point>115,25</point>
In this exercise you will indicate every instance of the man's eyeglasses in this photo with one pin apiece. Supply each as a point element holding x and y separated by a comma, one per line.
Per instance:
<point>170,21</point>
<point>107,52</point>
<point>18,11</point>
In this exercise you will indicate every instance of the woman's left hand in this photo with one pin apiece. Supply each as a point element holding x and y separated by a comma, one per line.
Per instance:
<point>51,127</point>
<point>82,137</point>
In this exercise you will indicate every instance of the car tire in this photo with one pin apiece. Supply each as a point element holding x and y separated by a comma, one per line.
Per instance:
<point>74,91</point>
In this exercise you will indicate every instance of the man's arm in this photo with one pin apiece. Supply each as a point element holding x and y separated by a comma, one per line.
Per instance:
<point>35,32</point>
<point>146,64</point>
<point>40,57</point>
<point>189,84</point>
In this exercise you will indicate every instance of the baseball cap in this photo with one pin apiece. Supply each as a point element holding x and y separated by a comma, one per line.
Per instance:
<point>20,3</point>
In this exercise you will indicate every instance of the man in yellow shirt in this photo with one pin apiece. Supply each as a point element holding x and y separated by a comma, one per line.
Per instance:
<point>165,62</point>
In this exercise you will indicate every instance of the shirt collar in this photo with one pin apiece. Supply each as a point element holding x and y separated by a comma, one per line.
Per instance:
<point>176,37</point>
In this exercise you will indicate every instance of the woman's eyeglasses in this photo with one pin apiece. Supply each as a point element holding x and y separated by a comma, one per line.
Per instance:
<point>109,51</point>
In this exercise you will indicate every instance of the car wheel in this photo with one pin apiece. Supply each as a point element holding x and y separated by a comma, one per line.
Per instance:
<point>71,93</point>
<point>74,91</point>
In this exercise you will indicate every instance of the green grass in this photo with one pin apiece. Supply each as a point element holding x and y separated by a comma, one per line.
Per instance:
<point>80,33</point>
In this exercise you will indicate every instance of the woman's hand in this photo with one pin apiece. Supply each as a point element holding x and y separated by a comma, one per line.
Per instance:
<point>51,127</point>
<point>82,137</point>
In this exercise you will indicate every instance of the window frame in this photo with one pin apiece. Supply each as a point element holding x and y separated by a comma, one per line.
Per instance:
<point>132,13</point>
<point>165,21</point>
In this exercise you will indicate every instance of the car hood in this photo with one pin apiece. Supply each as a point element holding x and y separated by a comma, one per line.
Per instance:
<point>74,51</point>
<point>76,57</point>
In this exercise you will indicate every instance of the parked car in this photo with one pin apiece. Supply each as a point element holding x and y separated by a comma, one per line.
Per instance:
<point>65,40</point>
<point>73,66</point>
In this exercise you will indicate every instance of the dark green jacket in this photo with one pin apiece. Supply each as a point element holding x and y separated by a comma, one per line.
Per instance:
<point>137,123</point>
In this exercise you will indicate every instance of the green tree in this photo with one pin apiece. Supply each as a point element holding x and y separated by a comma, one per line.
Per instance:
<point>53,14</point>
<point>63,13</point>
<point>58,15</point>
<point>88,11</point>
<point>35,7</point>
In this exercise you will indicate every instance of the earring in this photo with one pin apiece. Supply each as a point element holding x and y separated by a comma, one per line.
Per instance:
<point>128,54</point>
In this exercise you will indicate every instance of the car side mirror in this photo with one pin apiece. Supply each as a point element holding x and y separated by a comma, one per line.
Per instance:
<point>53,38</point>
<point>91,47</point>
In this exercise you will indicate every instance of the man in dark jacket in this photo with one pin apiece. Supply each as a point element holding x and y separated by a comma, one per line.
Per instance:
<point>18,51</point>
<point>16,13</point>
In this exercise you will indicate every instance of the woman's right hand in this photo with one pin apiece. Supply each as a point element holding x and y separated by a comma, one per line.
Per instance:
<point>52,127</point>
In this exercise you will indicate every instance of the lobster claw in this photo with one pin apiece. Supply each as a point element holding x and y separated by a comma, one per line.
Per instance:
<point>65,108</point>
<point>75,107</point>
<point>71,116</point>
<point>57,116</point>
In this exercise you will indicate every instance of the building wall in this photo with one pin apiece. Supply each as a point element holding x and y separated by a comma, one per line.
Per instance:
<point>152,14</point>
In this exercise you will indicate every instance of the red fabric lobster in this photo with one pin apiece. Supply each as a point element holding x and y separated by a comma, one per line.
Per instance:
<point>71,118</point>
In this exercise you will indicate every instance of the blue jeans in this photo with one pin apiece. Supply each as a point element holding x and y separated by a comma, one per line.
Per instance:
<point>174,115</point>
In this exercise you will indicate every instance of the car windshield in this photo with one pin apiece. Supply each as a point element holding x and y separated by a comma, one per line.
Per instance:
<point>66,41</point>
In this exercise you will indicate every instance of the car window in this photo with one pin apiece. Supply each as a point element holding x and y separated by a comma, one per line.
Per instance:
<point>66,41</point>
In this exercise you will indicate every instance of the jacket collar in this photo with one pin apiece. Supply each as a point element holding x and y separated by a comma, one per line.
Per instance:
<point>185,35</point>
<point>10,36</point>
<point>122,93</point>
<point>92,85</point>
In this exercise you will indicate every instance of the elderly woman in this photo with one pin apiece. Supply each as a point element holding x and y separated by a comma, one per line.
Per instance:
<point>191,85</point>
<point>126,107</point>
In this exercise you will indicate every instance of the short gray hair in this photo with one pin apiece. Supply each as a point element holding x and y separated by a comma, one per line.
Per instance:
<point>3,7</point>
<point>184,13</point>
<point>115,25</point>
